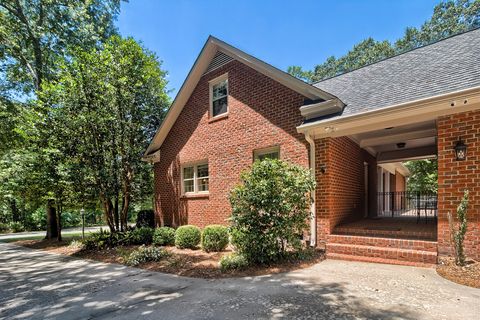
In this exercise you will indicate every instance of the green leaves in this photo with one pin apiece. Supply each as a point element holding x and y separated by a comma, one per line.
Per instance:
<point>423,175</point>
<point>270,209</point>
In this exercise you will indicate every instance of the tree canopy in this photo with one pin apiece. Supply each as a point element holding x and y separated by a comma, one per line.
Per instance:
<point>449,17</point>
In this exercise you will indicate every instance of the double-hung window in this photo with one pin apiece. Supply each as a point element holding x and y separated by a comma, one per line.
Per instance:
<point>195,178</point>
<point>268,153</point>
<point>219,96</point>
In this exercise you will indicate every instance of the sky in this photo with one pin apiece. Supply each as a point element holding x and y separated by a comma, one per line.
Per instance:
<point>281,33</point>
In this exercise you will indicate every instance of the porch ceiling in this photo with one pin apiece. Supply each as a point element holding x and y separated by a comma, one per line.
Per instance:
<point>419,139</point>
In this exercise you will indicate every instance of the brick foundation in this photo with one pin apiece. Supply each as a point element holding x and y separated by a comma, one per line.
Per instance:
<point>455,176</point>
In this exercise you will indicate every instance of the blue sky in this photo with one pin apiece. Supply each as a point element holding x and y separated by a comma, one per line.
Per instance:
<point>281,32</point>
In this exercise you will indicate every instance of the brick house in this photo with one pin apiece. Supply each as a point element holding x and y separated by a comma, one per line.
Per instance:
<point>353,131</point>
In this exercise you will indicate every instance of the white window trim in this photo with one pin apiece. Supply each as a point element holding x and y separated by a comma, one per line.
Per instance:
<point>213,82</point>
<point>259,152</point>
<point>195,178</point>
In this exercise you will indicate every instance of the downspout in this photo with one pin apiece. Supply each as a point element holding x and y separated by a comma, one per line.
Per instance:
<point>313,215</point>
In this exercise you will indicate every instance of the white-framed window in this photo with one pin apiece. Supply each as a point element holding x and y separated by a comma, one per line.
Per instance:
<point>267,153</point>
<point>219,96</point>
<point>195,178</point>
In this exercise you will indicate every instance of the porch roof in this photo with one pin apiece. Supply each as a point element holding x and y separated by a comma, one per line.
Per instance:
<point>442,67</point>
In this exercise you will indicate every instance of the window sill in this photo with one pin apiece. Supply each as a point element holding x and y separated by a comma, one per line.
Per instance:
<point>195,196</point>
<point>217,118</point>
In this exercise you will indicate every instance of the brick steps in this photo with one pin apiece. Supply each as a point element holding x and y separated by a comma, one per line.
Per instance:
<point>402,234</point>
<point>382,250</point>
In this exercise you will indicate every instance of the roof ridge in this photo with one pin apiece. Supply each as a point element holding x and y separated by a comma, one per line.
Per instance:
<point>399,54</point>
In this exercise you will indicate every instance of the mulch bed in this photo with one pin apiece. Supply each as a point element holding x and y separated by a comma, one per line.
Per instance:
<point>469,275</point>
<point>182,262</point>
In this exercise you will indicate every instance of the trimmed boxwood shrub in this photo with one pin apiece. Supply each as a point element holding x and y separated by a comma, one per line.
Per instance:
<point>164,236</point>
<point>142,236</point>
<point>214,238</point>
<point>187,237</point>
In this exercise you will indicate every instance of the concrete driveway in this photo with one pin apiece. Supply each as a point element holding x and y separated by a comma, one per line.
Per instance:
<point>33,234</point>
<point>39,285</point>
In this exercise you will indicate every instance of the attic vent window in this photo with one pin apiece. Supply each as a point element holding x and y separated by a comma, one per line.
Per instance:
<point>219,96</point>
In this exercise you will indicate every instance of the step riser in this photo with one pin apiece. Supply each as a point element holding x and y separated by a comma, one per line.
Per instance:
<point>385,233</point>
<point>400,255</point>
<point>430,246</point>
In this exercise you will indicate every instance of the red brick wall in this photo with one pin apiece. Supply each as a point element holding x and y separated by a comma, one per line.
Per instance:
<point>455,176</point>
<point>262,113</point>
<point>340,190</point>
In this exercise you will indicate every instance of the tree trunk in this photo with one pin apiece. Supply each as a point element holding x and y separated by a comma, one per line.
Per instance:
<point>124,214</point>
<point>115,214</point>
<point>15,214</point>
<point>108,211</point>
<point>52,230</point>
<point>59,222</point>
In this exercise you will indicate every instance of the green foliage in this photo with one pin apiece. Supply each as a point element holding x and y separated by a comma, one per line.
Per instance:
<point>106,106</point>
<point>233,261</point>
<point>145,254</point>
<point>164,236</point>
<point>16,226</point>
<point>142,235</point>
<point>423,175</point>
<point>270,209</point>
<point>214,238</point>
<point>146,218</point>
<point>4,227</point>
<point>187,237</point>
<point>457,232</point>
<point>76,244</point>
<point>449,18</point>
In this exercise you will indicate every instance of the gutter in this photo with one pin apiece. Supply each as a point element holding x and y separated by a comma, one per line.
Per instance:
<point>313,214</point>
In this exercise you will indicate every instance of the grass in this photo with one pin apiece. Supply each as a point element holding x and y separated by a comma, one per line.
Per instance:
<point>66,236</point>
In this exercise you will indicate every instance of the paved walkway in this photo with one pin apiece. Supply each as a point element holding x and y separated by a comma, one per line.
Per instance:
<point>39,285</point>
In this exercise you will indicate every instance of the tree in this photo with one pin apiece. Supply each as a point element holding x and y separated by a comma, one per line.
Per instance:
<point>423,175</point>
<point>106,105</point>
<point>449,17</point>
<point>270,209</point>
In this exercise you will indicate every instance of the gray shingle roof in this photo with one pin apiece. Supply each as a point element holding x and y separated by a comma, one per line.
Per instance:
<point>442,67</point>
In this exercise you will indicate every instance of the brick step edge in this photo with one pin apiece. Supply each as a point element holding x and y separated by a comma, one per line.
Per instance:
<point>346,257</point>
<point>423,236</point>
<point>391,243</point>
<point>383,253</point>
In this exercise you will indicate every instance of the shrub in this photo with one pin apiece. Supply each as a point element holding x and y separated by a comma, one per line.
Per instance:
<point>16,226</point>
<point>458,231</point>
<point>100,240</point>
<point>187,237</point>
<point>164,236</point>
<point>214,238</point>
<point>233,261</point>
<point>76,244</point>
<point>3,227</point>
<point>145,254</point>
<point>142,235</point>
<point>270,210</point>
<point>146,219</point>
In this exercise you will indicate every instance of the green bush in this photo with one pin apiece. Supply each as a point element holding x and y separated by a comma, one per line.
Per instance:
<point>100,240</point>
<point>145,254</point>
<point>187,237</point>
<point>3,227</point>
<point>76,244</point>
<point>145,219</point>
<point>214,238</point>
<point>142,235</point>
<point>233,261</point>
<point>164,236</point>
<point>270,210</point>
<point>16,226</point>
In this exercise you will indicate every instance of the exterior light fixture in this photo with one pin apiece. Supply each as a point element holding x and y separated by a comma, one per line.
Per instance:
<point>401,145</point>
<point>460,150</point>
<point>323,168</point>
<point>82,213</point>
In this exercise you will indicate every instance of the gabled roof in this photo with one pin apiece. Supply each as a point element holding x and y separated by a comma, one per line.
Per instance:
<point>449,65</point>
<point>201,65</point>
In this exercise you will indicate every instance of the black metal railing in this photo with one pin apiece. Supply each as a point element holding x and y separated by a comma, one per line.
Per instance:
<point>407,204</point>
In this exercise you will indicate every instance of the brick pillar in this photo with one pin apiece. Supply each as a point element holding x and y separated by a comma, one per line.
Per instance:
<point>456,176</point>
